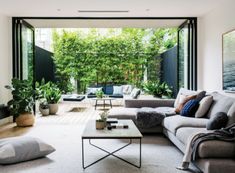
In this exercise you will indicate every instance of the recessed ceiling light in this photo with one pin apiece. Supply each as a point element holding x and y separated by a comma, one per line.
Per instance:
<point>147,9</point>
<point>58,9</point>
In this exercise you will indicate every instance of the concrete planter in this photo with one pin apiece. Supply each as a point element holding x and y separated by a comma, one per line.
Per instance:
<point>53,108</point>
<point>44,112</point>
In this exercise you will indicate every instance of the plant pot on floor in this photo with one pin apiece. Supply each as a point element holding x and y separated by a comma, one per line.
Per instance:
<point>53,108</point>
<point>25,119</point>
<point>44,112</point>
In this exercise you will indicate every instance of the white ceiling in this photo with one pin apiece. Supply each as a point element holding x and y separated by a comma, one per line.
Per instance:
<point>136,8</point>
<point>55,23</point>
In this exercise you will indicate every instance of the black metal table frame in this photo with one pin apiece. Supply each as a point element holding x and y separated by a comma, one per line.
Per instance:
<point>104,103</point>
<point>110,153</point>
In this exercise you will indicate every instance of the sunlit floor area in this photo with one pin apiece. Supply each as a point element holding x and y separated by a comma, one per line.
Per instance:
<point>63,131</point>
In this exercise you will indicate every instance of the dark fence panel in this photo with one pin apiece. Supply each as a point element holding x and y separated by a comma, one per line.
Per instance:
<point>44,65</point>
<point>169,69</point>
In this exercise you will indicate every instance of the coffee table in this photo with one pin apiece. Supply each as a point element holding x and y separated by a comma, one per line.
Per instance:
<point>105,101</point>
<point>90,133</point>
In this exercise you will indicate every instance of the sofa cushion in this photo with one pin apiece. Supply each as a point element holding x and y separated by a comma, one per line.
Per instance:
<point>116,96</point>
<point>183,100</point>
<point>216,149</point>
<point>173,123</point>
<point>190,108</point>
<point>184,92</point>
<point>123,113</point>
<point>184,133</point>
<point>221,103</point>
<point>231,115</point>
<point>217,121</point>
<point>135,93</point>
<point>204,106</point>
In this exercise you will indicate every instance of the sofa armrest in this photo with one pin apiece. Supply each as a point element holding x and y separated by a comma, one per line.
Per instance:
<point>138,103</point>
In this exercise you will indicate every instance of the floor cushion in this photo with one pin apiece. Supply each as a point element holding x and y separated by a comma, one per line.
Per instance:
<point>19,149</point>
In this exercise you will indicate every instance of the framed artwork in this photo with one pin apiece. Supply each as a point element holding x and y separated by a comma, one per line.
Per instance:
<point>229,61</point>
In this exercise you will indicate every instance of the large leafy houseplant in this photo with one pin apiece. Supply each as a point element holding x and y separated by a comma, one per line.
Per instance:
<point>157,89</point>
<point>22,102</point>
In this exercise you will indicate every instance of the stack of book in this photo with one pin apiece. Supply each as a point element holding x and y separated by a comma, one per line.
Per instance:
<point>113,124</point>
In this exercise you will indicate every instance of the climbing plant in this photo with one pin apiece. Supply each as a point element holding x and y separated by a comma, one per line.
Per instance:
<point>102,56</point>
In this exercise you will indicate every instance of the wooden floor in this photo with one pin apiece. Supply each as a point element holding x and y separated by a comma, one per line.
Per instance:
<point>70,113</point>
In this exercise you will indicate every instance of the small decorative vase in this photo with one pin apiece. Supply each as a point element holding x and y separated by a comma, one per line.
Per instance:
<point>100,125</point>
<point>53,108</point>
<point>44,112</point>
<point>25,120</point>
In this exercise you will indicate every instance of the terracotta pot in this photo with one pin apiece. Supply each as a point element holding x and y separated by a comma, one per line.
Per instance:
<point>25,120</point>
<point>100,125</point>
<point>44,112</point>
<point>53,108</point>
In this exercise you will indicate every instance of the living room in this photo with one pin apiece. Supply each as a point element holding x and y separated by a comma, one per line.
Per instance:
<point>214,19</point>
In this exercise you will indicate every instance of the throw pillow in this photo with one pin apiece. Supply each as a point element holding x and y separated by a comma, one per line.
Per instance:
<point>190,108</point>
<point>183,91</point>
<point>217,121</point>
<point>93,90</point>
<point>135,93</point>
<point>19,149</point>
<point>117,90</point>
<point>231,115</point>
<point>201,95</point>
<point>182,100</point>
<point>204,106</point>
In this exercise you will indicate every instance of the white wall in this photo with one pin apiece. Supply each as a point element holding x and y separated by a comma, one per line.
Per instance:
<point>211,28</point>
<point>5,57</point>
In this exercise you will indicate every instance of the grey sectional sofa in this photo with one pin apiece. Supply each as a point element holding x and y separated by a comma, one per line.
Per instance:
<point>214,156</point>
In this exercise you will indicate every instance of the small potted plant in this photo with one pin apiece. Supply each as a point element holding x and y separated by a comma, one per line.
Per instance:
<point>99,94</point>
<point>44,108</point>
<point>101,122</point>
<point>22,103</point>
<point>52,95</point>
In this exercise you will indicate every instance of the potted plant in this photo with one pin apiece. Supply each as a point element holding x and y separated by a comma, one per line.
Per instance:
<point>44,108</point>
<point>99,94</point>
<point>101,122</point>
<point>52,96</point>
<point>157,89</point>
<point>22,102</point>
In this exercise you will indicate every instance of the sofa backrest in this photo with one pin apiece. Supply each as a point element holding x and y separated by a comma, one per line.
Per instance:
<point>221,103</point>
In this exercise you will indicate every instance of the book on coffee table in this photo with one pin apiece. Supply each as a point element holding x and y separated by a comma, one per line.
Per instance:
<point>112,120</point>
<point>119,126</point>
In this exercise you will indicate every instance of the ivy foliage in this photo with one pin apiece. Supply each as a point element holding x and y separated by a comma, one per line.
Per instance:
<point>103,56</point>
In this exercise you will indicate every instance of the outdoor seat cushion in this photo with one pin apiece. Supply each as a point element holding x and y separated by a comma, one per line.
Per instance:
<point>116,96</point>
<point>123,113</point>
<point>91,96</point>
<point>73,98</point>
<point>173,123</point>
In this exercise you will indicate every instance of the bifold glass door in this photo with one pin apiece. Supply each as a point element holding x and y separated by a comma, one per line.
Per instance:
<point>23,50</point>
<point>187,65</point>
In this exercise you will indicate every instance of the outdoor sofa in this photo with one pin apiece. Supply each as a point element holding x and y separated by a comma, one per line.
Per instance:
<point>214,156</point>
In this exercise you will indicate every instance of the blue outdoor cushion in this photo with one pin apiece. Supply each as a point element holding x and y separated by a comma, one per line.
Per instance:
<point>190,108</point>
<point>108,89</point>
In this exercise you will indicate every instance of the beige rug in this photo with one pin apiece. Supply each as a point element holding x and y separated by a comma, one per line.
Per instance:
<point>63,131</point>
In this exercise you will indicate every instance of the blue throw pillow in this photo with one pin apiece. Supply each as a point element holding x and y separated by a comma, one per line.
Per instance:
<point>190,108</point>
